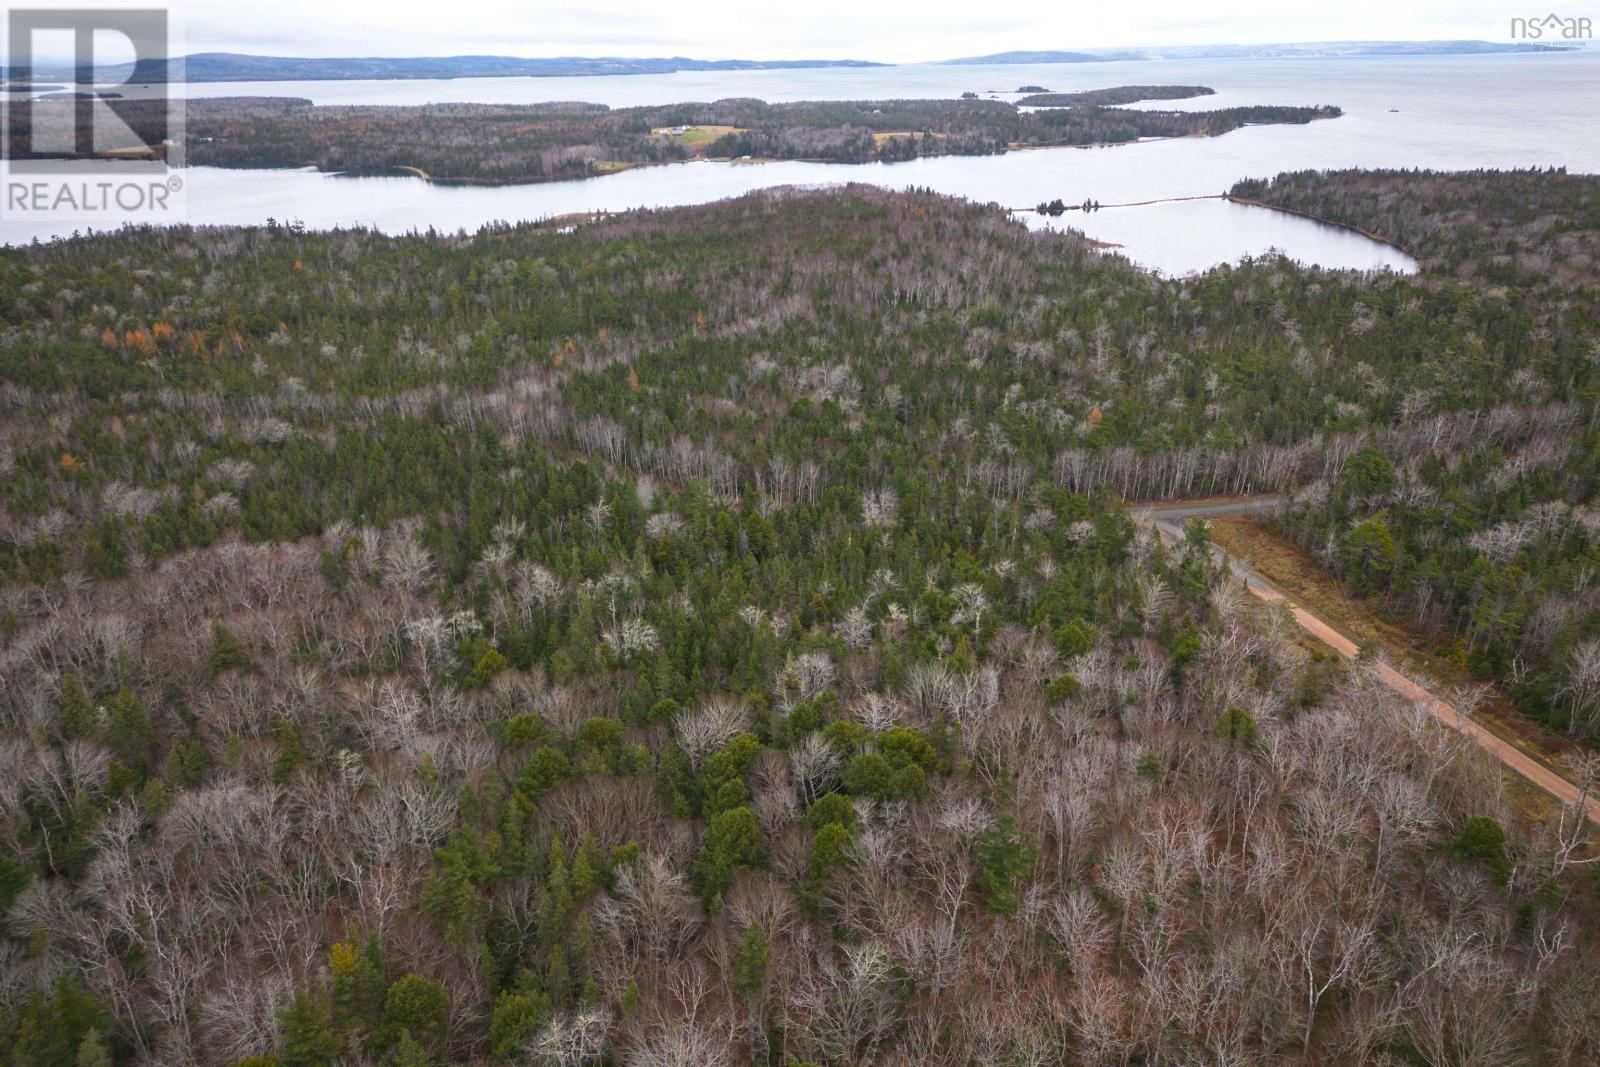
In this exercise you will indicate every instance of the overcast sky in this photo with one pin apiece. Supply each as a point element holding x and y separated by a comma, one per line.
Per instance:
<point>887,30</point>
<point>884,30</point>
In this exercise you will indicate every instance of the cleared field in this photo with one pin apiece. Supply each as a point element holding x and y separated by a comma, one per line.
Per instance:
<point>695,134</point>
<point>878,139</point>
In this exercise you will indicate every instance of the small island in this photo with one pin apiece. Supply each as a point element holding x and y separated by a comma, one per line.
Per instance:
<point>1118,94</point>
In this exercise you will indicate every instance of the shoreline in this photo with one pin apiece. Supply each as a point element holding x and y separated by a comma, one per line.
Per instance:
<point>1368,234</point>
<point>621,166</point>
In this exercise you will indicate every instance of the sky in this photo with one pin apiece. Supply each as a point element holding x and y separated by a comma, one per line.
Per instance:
<point>897,31</point>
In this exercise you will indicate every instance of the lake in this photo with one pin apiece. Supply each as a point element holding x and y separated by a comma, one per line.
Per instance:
<point>1448,112</point>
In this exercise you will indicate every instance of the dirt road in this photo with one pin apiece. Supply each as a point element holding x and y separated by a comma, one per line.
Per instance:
<point>1169,519</point>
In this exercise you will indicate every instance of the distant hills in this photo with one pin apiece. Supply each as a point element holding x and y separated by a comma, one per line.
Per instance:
<point>1261,51</point>
<point>236,66</point>
<point>1005,58</point>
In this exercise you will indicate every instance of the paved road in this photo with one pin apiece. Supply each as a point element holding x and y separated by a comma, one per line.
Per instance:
<point>1168,520</point>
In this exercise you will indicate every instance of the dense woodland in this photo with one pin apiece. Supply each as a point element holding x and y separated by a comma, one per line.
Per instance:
<point>1490,549</point>
<point>627,647</point>
<point>1503,228</point>
<point>538,142</point>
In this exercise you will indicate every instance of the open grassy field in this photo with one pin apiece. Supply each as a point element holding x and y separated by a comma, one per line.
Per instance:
<point>878,139</point>
<point>696,135</point>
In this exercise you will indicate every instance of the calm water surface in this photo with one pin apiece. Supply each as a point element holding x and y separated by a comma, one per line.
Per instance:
<point>1452,112</point>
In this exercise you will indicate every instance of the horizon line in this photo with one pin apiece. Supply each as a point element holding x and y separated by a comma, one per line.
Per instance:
<point>1532,47</point>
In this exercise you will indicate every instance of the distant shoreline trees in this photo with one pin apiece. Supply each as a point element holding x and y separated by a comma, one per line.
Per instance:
<point>493,144</point>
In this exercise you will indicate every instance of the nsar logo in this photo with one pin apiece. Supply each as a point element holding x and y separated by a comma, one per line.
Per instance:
<point>1553,28</point>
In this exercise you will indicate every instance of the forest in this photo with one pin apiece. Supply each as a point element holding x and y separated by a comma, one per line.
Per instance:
<point>618,647</point>
<point>1489,550</point>
<point>539,142</point>
<point>1511,228</point>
